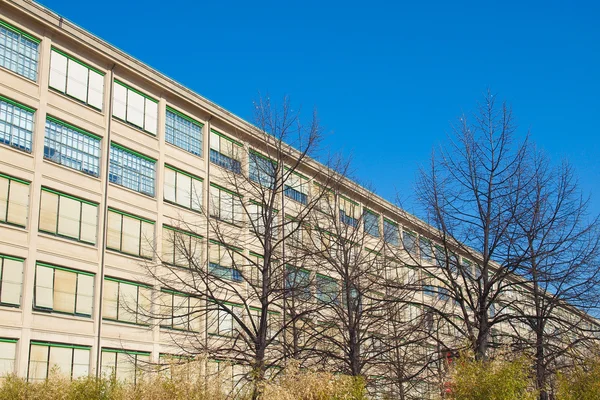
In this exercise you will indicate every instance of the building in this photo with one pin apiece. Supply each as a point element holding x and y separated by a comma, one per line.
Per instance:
<point>97,152</point>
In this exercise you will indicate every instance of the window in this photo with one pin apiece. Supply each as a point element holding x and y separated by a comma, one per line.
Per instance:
<point>14,200</point>
<point>19,51</point>
<point>11,280</point>
<point>72,147</point>
<point>181,248</point>
<point>390,232</point>
<point>258,217</point>
<point>179,311</point>
<point>409,240</point>
<point>126,301</point>
<point>296,187</point>
<point>184,132</point>
<point>327,289</point>
<point>443,293</point>
<point>297,280</point>
<point>220,321</point>
<point>125,365</point>
<point>225,261</point>
<point>262,169</point>
<point>349,212</point>
<point>183,189</point>
<point>371,222</point>
<point>257,263</point>
<point>273,321</point>
<point>8,352</point>
<point>225,204</point>
<point>68,216</point>
<point>131,169</point>
<point>16,124</point>
<point>224,152</point>
<point>71,360</point>
<point>76,79</point>
<point>63,290</point>
<point>135,108</point>
<point>130,234</point>
<point>426,249</point>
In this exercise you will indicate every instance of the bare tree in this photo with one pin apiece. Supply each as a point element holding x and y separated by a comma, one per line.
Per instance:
<point>558,285</point>
<point>233,261</point>
<point>470,194</point>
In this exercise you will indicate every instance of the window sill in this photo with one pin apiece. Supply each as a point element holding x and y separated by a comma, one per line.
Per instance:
<point>116,321</point>
<point>184,150</point>
<point>133,126</point>
<point>169,202</point>
<point>96,178</point>
<point>13,226</point>
<point>128,255</point>
<point>60,314</point>
<point>118,185</point>
<point>75,100</point>
<point>177,330</point>
<point>235,224</point>
<point>65,239</point>
<point>17,150</point>
<point>9,306</point>
<point>30,81</point>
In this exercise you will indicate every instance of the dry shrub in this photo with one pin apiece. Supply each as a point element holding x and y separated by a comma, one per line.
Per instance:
<point>580,383</point>
<point>498,379</point>
<point>294,384</point>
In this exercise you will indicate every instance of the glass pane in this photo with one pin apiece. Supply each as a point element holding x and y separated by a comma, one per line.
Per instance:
<point>12,278</point>
<point>81,363</point>
<point>60,360</point>
<point>18,203</point>
<point>65,284</point>
<point>85,294</point>
<point>109,360</point>
<point>38,362</point>
<point>3,197</point>
<point>113,239</point>
<point>169,185</point>
<point>7,358</point>
<point>89,222</point>
<point>184,184</point>
<point>147,240</point>
<point>127,302</point>
<point>131,235</point>
<point>69,214</point>
<point>110,299</point>
<point>48,211</point>
<point>44,282</point>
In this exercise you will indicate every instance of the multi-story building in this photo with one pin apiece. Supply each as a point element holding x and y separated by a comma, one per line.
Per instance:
<point>97,153</point>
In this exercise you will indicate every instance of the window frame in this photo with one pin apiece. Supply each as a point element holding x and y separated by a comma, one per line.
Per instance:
<point>129,354</point>
<point>76,295</point>
<point>4,257</point>
<point>199,199</point>
<point>50,345</point>
<point>141,244</point>
<point>76,133</point>
<point>291,191</point>
<point>257,172</point>
<point>5,219</point>
<point>235,272</point>
<point>192,121</point>
<point>28,118</point>
<point>58,218</point>
<point>22,35</point>
<point>237,221</point>
<point>89,68</point>
<point>190,235</point>
<point>369,225</point>
<point>123,167</point>
<point>219,158</point>
<point>191,309</point>
<point>391,226</point>
<point>125,120</point>
<point>145,320</point>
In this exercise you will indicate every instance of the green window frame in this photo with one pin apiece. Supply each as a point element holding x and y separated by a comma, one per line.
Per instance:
<point>225,151</point>
<point>130,234</point>
<point>76,79</point>
<point>19,51</point>
<point>63,290</point>
<point>220,322</point>
<point>8,355</point>
<point>183,131</point>
<point>182,248</point>
<point>126,301</point>
<point>11,280</point>
<point>135,108</point>
<point>183,188</point>
<point>16,124</point>
<point>71,360</point>
<point>225,261</point>
<point>327,289</point>
<point>14,201</point>
<point>124,365</point>
<point>371,222</point>
<point>68,216</point>
<point>225,205</point>
<point>180,311</point>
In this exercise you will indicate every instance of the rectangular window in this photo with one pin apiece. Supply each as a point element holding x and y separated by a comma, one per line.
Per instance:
<point>220,321</point>
<point>76,79</point>
<point>72,147</point>
<point>409,240</point>
<point>130,234</point>
<point>11,280</point>
<point>225,204</point>
<point>391,234</point>
<point>70,360</point>
<point>327,289</point>
<point>225,152</point>
<point>183,188</point>
<point>131,169</point>
<point>14,200</point>
<point>426,249</point>
<point>262,169</point>
<point>349,212</point>
<point>19,51</point>
<point>179,311</point>
<point>296,187</point>
<point>325,198</point>
<point>135,108</point>
<point>181,248</point>
<point>225,261</point>
<point>297,281</point>
<point>8,352</point>
<point>126,301</point>
<point>184,132</point>
<point>68,216</point>
<point>63,290</point>
<point>371,222</point>
<point>125,365</point>
<point>16,124</point>
<point>258,217</point>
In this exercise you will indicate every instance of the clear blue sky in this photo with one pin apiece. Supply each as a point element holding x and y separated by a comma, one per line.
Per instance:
<point>386,77</point>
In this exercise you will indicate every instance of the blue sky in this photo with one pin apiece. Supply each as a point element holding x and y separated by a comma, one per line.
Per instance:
<point>387,79</point>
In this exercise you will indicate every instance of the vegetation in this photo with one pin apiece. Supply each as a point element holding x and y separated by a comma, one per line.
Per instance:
<point>580,383</point>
